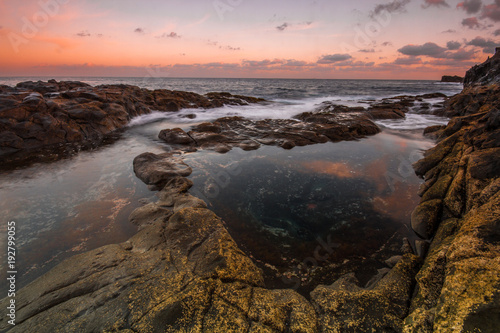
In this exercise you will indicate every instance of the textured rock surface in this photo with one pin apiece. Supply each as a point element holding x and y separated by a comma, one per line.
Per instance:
<point>49,115</point>
<point>458,287</point>
<point>308,128</point>
<point>225,133</point>
<point>486,73</point>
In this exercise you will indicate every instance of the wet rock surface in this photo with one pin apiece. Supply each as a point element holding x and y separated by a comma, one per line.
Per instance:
<point>225,133</point>
<point>44,119</point>
<point>329,122</point>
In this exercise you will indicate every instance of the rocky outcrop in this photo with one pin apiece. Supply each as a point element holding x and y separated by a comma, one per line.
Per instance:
<point>51,115</point>
<point>329,122</point>
<point>454,78</point>
<point>486,73</point>
<point>225,133</point>
<point>458,287</point>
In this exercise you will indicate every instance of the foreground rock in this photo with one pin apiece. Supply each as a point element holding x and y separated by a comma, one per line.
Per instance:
<point>182,272</point>
<point>458,287</point>
<point>49,115</point>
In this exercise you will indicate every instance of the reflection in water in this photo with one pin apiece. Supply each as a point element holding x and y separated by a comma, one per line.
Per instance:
<point>282,204</point>
<point>73,205</point>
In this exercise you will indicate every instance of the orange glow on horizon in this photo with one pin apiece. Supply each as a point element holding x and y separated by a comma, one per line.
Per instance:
<point>62,38</point>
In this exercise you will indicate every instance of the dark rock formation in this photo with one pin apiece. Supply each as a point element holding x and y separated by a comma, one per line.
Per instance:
<point>308,128</point>
<point>458,287</point>
<point>38,115</point>
<point>486,73</point>
<point>454,78</point>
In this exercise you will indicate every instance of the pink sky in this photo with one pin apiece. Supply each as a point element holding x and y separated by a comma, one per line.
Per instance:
<point>395,39</point>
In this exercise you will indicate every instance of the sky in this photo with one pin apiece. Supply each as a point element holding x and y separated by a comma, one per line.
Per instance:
<point>325,39</point>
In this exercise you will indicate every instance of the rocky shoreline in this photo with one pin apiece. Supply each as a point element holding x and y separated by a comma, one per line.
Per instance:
<point>182,272</point>
<point>44,121</point>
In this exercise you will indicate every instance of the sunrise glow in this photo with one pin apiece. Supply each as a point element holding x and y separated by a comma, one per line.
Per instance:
<point>359,39</point>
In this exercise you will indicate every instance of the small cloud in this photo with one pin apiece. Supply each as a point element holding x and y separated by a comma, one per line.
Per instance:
<point>427,49</point>
<point>396,6</point>
<point>470,6</point>
<point>492,11</point>
<point>386,44</point>
<point>139,31</point>
<point>229,48</point>
<point>407,61</point>
<point>435,3</point>
<point>333,58</point>
<point>170,35</point>
<point>83,34</point>
<point>449,31</point>
<point>282,27</point>
<point>496,32</point>
<point>471,23</point>
<point>296,63</point>
<point>452,45</point>
<point>367,50</point>
<point>488,45</point>
<point>100,35</point>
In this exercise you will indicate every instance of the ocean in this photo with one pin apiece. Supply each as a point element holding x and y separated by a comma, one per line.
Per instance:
<point>359,192</point>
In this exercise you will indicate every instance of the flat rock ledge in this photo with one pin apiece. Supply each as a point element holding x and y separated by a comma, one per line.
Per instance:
<point>43,119</point>
<point>329,122</point>
<point>225,133</point>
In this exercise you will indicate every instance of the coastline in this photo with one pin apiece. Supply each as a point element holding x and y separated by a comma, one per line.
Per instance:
<point>199,280</point>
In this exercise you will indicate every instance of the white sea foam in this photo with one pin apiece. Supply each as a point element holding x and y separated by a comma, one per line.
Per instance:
<point>413,121</point>
<point>282,109</point>
<point>149,118</point>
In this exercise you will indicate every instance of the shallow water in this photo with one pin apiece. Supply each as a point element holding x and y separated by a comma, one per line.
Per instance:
<point>280,204</point>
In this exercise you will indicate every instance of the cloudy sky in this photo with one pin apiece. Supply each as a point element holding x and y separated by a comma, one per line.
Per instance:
<point>393,39</point>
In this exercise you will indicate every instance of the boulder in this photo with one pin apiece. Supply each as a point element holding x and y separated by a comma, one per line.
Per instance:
<point>157,170</point>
